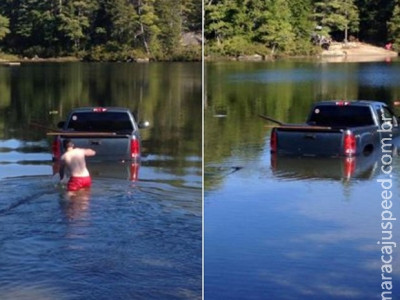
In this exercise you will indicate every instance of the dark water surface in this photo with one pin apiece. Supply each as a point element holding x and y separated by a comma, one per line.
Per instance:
<point>137,234</point>
<point>290,228</point>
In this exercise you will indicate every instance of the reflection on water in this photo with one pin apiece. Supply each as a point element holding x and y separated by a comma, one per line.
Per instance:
<point>285,227</point>
<point>137,233</point>
<point>35,97</point>
<point>340,168</point>
<point>76,204</point>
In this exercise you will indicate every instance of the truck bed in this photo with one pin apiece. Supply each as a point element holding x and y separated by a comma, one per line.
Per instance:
<point>335,128</point>
<point>108,145</point>
<point>309,141</point>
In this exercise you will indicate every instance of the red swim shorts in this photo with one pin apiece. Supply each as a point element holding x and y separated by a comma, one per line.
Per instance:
<point>77,183</point>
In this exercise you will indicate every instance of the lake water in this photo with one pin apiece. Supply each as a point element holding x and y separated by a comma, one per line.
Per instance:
<point>138,233</point>
<point>289,228</point>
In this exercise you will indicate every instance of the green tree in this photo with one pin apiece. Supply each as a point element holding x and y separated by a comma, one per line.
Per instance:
<point>170,24</point>
<point>148,27</point>
<point>124,22</point>
<point>218,24</point>
<point>337,15</point>
<point>74,22</point>
<point>394,26</point>
<point>374,15</point>
<point>274,26</point>
<point>302,24</point>
<point>4,26</point>
<point>192,15</point>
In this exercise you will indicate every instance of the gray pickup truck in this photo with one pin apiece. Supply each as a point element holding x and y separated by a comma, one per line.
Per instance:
<point>111,131</point>
<point>337,128</point>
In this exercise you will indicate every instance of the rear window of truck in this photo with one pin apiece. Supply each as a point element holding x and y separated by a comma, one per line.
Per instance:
<point>341,116</point>
<point>100,122</point>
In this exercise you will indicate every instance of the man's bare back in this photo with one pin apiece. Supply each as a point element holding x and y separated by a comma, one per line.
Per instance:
<point>74,160</point>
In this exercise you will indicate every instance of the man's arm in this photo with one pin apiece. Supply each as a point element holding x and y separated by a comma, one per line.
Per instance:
<point>89,152</point>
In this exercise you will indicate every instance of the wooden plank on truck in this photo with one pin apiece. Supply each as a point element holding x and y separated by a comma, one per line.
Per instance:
<point>309,127</point>
<point>293,126</point>
<point>55,133</point>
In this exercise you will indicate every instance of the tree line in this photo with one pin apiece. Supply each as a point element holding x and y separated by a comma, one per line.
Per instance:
<point>239,27</point>
<point>101,29</point>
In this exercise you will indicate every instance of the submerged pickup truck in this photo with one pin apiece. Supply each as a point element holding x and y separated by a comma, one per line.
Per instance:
<point>337,128</point>
<point>111,131</point>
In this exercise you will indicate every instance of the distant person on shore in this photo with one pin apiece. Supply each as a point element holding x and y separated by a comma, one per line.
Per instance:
<point>74,160</point>
<point>389,46</point>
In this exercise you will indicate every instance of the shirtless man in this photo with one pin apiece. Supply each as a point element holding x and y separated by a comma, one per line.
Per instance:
<point>74,160</point>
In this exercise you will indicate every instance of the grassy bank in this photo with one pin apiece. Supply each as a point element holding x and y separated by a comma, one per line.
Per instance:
<point>4,57</point>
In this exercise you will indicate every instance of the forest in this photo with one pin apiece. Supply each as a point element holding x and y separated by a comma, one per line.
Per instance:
<point>102,30</point>
<point>285,27</point>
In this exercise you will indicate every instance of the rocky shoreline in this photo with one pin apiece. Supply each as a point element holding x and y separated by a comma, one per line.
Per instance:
<point>356,52</point>
<point>338,52</point>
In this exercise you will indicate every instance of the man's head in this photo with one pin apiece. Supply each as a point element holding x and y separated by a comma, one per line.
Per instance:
<point>67,143</point>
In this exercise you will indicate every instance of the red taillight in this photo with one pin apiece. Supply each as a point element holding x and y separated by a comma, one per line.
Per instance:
<point>135,147</point>
<point>273,140</point>
<point>56,148</point>
<point>349,143</point>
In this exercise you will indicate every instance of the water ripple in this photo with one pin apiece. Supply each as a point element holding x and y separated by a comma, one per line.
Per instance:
<point>121,240</point>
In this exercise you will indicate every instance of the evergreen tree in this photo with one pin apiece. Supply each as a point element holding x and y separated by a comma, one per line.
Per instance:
<point>30,18</point>
<point>192,12</point>
<point>394,26</point>
<point>275,27</point>
<point>374,15</point>
<point>62,27</point>
<point>4,27</point>
<point>170,24</point>
<point>302,24</point>
<point>337,15</point>
<point>74,21</point>
<point>218,24</point>
<point>124,22</point>
<point>148,27</point>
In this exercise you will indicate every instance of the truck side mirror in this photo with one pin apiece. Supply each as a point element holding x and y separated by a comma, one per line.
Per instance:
<point>61,124</point>
<point>143,124</point>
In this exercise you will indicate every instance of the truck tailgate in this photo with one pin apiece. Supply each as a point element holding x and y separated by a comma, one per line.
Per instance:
<point>115,147</point>
<point>309,141</point>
